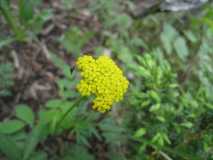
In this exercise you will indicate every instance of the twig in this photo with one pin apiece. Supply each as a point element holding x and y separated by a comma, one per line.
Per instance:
<point>165,155</point>
<point>17,65</point>
<point>45,50</point>
<point>16,60</point>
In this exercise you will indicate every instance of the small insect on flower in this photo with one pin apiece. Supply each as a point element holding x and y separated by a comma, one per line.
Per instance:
<point>101,77</point>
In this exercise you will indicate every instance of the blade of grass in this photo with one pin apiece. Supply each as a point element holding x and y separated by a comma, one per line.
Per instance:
<point>12,22</point>
<point>25,11</point>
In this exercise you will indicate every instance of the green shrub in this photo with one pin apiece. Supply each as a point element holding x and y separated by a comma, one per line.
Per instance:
<point>167,115</point>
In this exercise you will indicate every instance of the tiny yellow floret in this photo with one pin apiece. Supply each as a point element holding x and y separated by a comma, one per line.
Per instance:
<point>101,77</point>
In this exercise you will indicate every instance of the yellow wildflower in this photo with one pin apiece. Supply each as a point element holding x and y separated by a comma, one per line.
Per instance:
<point>101,77</point>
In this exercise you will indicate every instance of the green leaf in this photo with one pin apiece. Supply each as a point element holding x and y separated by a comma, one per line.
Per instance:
<point>10,148</point>
<point>191,36</point>
<point>74,40</point>
<point>36,24</point>
<point>78,152</point>
<point>181,48</point>
<point>167,37</point>
<point>54,103</point>
<point>61,65</point>
<point>140,132</point>
<point>158,139</point>
<point>11,126</point>
<point>111,132</point>
<point>123,21</point>
<point>155,107</point>
<point>25,113</point>
<point>26,10</point>
<point>143,72</point>
<point>39,156</point>
<point>209,22</point>
<point>46,116</point>
<point>187,124</point>
<point>125,55</point>
<point>33,140</point>
<point>166,138</point>
<point>161,119</point>
<point>154,95</point>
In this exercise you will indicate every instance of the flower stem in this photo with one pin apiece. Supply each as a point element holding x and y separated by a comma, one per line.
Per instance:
<point>67,113</point>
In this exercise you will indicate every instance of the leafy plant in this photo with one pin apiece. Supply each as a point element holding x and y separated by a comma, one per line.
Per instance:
<point>112,16</point>
<point>74,40</point>
<point>165,113</point>
<point>28,23</point>
<point>77,152</point>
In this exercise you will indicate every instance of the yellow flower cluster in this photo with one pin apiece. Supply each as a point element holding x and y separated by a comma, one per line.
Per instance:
<point>101,77</point>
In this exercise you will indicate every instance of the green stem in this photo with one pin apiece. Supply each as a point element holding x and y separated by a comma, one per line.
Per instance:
<point>67,112</point>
